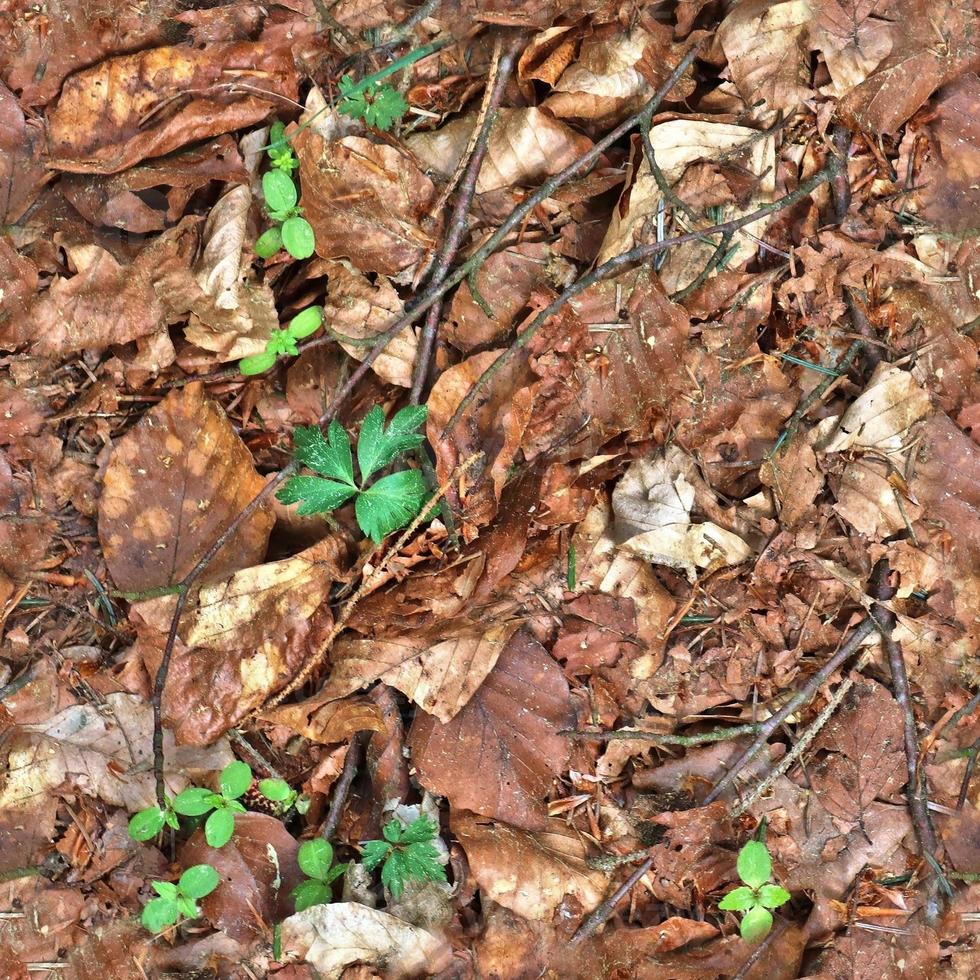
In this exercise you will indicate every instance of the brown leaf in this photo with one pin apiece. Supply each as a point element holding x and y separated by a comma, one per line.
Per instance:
<point>22,170</point>
<point>439,673</point>
<point>854,37</point>
<point>794,475</point>
<point>174,482</point>
<point>499,755</point>
<point>326,720</point>
<point>367,202</point>
<point>870,502</point>
<point>242,639</point>
<point>529,873</point>
<point>258,871</point>
<point>135,106</point>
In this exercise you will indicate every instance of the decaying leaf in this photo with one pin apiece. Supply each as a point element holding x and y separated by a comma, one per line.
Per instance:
<point>333,937</point>
<point>439,674</point>
<point>653,503</point>
<point>174,483</point>
<point>499,755</point>
<point>326,720</point>
<point>242,639</point>
<point>530,873</point>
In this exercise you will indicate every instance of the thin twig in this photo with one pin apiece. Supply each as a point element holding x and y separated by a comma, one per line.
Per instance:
<point>254,754</point>
<point>638,735</point>
<point>759,951</point>
<point>351,762</point>
<point>721,249</point>
<point>601,914</point>
<point>840,186</point>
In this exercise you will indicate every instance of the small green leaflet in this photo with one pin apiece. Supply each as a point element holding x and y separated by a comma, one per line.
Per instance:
<point>314,495</point>
<point>754,864</point>
<point>330,456</point>
<point>390,503</point>
<point>378,446</point>
<point>297,237</point>
<point>378,105</point>
<point>407,852</point>
<point>279,191</point>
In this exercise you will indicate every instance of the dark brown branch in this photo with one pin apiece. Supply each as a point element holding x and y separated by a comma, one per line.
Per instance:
<point>719,253</point>
<point>601,914</point>
<point>633,735</point>
<point>351,762</point>
<point>840,186</point>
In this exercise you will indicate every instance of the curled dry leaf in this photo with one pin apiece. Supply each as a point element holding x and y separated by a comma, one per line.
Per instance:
<point>355,307</point>
<point>174,482</point>
<point>439,674</point>
<point>526,146</point>
<point>500,754</point>
<point>241,639</point>
<point>326,720</point>
<point>122,110</point>
<point>367,202</point>
<point>653,502</point>
<point>103,754</point>
<point>880,417</point>
<point>679,143</point>
<point>332,937</point>
<point>529,873</point>
<point>766,44</point>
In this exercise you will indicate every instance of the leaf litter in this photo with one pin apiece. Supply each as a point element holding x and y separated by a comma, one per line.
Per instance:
<point>685,565</point>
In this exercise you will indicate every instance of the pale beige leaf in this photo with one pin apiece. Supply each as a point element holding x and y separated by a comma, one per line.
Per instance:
<point>880,417</point>
<point>526,146</point>
<point>332,937</point>
<point>765,42</point>
<point>529,873</point>
<point>870,503</point>
<point>852,39</point>
<point>355,307</point>
<point>679,143</point>
<point>653,502</point>
<point>440,677</point>
<point>219,268</point>
<point>102,753</point>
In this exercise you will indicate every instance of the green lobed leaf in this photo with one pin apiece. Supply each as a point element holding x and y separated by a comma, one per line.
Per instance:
<point>268,243</point>
<point>147,823</point>
<point>330,456</point>
<point>377,446</point>
<point>194,801</point>
<point>165,889</point>
<point>277,790</point>
<point>756,924</point>
<point>772,896</point>
<point>739,899</point>
<point>235,779</point>
<point>306,322</point>
<point>754,864</point>
<point>420,862</point>
<point>392,831</point>
<point>279,190</point>
<point>257,363</point>
<point>390,503</point>
<point>280,342</point>
<point>298,238</point>
<point>315,857</point>
<point>393,873</point>
<point>385,107</point>
<point>314,495</point>
<point>374,852</point>
<point>311,892</point>
<point>219,827</point>
<point>421,829</point>
<point>159,913</point>
<point>198,880</point>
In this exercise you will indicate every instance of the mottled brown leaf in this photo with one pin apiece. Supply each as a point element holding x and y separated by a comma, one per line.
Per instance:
<point>327,720</point>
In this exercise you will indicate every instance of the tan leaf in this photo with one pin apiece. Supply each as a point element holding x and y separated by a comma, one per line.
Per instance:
<point>679,143</point>
<point>133,106</point>
<point>241,639</point>
<point>529,873</point>
<point>332,937</point>
<point>880,417</point>
<point>765,42</point>
<point>326,720</point>
<point>367,202</point>
<point>355,307</point>
<point>547,55</point>
<point>440,677</point>
<point>174,482</point>
<point>794,475</point>
<point>854,37</point>
<point>653,502</point>
<point>103,754</point>
<point>500,754</point>
<point>526,146</point>
<point>870,502</point>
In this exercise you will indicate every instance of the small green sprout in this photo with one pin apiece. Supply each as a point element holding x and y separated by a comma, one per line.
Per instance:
<point>406,853</point>
<point>315,860</point>
<point>381,507</point>
<point>291,231</point>
<point>378,104</point>
<point>179,900</point>
<point>195,801</point>
<point>757,896</point>
<point>278,791</point>
<point>281,342</point>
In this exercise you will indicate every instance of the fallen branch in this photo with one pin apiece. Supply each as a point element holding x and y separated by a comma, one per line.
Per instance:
<point>661,738</point>
<point>600,914</point>
<point>351,761</point>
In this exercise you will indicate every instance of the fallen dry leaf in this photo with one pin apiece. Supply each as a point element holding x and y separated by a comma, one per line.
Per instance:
<point>326,720</point>
<point>529,873</point>
<point>333,937</point>
<point>174,482</point>
<point>500,754</point>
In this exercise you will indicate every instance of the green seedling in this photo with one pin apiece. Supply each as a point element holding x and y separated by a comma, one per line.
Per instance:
<point>378,104</point>
<point>380,507</point>
<point>291,231</point>
<point>176,901</point>
<point>280,152</point>
<point>756,896</point>
<point>149,822</point>
<point>315,860</point>
<point>278,791</point>
<point>406,854</point>
<point>195,801</point>
<point>282,342</point>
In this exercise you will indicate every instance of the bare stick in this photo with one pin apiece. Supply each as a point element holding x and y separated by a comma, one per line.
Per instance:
<point>602,913</point>
<point>638,735</point>
<point>351,761</point>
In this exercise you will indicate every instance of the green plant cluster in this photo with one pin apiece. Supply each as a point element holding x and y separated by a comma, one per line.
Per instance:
<point>380,507</point>
<point>291,230</point>
<point>756,896</point>
<point>406,854</point>
<point>377,103</point>
<point>303,325</point>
